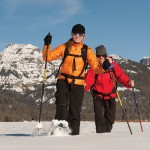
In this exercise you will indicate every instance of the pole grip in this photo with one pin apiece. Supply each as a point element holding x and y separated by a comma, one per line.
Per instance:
<point>44,77</point>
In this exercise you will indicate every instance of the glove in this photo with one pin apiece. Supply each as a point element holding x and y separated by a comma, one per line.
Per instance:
<point>106,64</point>
<point>48,39</point>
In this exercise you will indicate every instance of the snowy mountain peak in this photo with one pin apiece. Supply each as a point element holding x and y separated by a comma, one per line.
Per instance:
<point>145,60</point>
<point>22,67</point>
<point>14,52</point>
<point>114,56</point>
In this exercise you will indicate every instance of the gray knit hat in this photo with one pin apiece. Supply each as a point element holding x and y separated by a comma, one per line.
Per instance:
<point>101,50</point>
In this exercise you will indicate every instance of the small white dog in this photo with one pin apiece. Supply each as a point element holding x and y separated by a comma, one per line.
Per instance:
<point>59,128</point>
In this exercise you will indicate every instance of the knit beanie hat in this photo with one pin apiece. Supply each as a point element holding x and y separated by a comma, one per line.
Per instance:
<point>78,28</point>
<point>101,50</point>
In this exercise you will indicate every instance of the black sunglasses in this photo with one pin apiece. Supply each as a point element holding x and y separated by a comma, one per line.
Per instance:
<point>101,55</point>
<point>78,34</point>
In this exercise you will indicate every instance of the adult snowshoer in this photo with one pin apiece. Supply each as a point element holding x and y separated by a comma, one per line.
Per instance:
<point>70,83</point>
<point>103,87</point>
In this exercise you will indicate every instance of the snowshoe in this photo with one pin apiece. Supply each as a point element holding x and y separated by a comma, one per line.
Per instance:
<point>59,128</point>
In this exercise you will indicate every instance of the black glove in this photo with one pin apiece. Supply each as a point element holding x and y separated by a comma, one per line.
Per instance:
<point>106,64</point>
<point>48,39</point>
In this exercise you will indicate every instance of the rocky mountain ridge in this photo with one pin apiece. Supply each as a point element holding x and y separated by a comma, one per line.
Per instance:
<point>145,60</point>
<point>21,78</point>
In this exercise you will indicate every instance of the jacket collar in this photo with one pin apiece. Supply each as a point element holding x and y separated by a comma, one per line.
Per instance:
<point>71,42</point>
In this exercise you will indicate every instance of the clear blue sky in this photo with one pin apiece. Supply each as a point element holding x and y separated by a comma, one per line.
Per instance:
<point>123,26</point>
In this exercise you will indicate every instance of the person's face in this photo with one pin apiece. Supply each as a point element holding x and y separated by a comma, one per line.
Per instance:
<point>101,58</point>
<point>77,37</point>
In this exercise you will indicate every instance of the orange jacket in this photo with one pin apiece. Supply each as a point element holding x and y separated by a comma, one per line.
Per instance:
<point>67,66</point>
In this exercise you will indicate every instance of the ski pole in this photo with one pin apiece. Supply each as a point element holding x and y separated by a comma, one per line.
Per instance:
<point>124,112</point>
<point>121,104</point>
<point>135,101</point>
<point>43,85</point>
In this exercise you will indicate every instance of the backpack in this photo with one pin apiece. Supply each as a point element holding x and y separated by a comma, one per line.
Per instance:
<point>84,57</point>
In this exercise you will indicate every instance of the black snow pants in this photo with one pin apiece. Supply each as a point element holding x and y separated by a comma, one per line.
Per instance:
<point>69,100</point>
<point>104,114</point>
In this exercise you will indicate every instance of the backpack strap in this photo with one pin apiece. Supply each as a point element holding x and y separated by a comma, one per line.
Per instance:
<point>84,57</point>
<point>65,55</point>
<point>112,79</point>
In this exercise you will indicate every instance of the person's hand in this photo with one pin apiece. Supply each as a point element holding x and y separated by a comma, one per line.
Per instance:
<point>109,59</point>
<point>106,64</point>
<point>48,39</point>
<point>131,83</point>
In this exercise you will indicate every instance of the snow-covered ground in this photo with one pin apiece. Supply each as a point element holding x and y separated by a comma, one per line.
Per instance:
<point>18,136</point>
